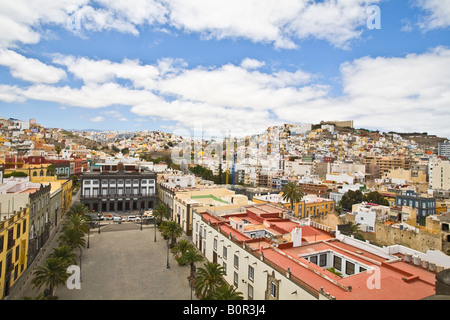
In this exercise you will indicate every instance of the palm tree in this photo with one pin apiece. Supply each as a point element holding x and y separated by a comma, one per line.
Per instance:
<point>172,230</point>
<point>73,238</point>
<point>160,212</point>
<point>292,193</point>
<point>191,256</point>
<point>52,274</point>
<point>77,222</point>
<point>65,253</point>
<point>181,247</point>
<point>227,292</point>
<point>354,231</point>
<point>78,208</point>
<point>208,279</point>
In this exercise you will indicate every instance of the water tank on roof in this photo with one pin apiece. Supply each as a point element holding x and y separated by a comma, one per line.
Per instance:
<point>416,260</point>
<point>408,257</point>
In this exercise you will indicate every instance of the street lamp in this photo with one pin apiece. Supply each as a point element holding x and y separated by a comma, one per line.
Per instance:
<point>98,216</point>
<point>81,253</point>
<point>191,283</point>
<point>154,222</point>
<point>168,245</point>
<point>142,214</point>
<point>89,231</point>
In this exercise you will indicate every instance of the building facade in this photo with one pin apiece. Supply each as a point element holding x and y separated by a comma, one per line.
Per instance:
<point>13,250</point>
<point>118,191</point>
<point>425,205</point>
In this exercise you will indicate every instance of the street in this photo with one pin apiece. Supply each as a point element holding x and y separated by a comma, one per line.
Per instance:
<point>125,263</point>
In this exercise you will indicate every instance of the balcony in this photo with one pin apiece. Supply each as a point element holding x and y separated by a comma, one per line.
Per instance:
<point>115,195</point>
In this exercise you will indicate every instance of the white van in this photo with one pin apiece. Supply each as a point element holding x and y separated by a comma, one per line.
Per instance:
<point>131,218</point>
<point>118,219</point>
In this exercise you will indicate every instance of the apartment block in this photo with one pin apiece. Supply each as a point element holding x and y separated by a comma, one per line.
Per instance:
<point>425,204</point>
<point>385,163</point>
<point>268,257</point>
<point>439,175</point>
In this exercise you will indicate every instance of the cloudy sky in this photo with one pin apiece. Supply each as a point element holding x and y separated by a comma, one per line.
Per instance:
<point>230,66</point>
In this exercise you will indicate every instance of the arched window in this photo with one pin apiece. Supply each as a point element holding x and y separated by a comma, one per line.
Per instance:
<point>34,173</point>
<point>42,173</point>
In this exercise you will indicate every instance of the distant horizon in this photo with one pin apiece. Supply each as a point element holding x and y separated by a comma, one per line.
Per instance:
<point>164,131</point>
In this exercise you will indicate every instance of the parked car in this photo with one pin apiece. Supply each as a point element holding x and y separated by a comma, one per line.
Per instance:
<point>131,218</point>
<point>118,219</point>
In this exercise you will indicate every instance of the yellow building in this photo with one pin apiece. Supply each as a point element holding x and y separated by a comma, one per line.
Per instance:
<point>33,171</point>
<point>13,249</point>
<point>311,205</point>
<point>66,195</point>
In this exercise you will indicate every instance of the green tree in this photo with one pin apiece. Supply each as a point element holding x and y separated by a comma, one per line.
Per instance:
<point>58,150</point>
<point>160,212</point>
<point>52,274</point>
<point>51,170</point>
<point>292,193</point>
<point>375,197</point>
<point>73,238</point>
<point>181,247</point>
<point>172,230</point>
<point>77,222</point>
<point>65,253</point>
<point>208,279</point>
<point>78,208</point>
<point>227,292</point>
<point>350,198</point>
<point>191,256</point>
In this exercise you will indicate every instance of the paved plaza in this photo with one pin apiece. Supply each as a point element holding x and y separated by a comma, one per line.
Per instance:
<point>124,262</point>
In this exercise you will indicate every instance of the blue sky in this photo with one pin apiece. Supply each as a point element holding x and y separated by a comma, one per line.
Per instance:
<point>225,66</point>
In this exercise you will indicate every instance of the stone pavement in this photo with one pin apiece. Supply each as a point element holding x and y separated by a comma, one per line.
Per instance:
<point>124,263</point>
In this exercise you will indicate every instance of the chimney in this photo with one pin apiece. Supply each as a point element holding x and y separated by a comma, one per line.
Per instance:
<point>296,235</point>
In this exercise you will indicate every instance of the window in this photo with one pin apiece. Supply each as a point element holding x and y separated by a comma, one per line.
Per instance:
<point>224,252</point>
<point>349,268</point>
<point>323,260</point>
<point>236,261</point>
<point>224,265</point>
<point>273,289</point>
<point>251,273</point>
<point>2,239</point>
<point>215,244</point>
<point>313,259</point>
<point>250,292</point>
<point>236,279</point>
<point>337,263</point>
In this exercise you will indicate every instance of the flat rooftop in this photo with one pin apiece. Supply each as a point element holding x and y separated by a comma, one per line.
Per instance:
<point>371,276</point>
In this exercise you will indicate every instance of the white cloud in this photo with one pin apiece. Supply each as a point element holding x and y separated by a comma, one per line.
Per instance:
<point>272,21</point>
<point>11,94</point>
<point>30,69</point>
<point>406,93</point>
<point>249,63</point>
<point>21,20</point>
<point>409,93</point>
<point>97,119</point>
<point>438,14</point>
<point>280,23</point>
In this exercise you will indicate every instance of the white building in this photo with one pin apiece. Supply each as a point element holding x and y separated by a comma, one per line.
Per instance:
<point>439,175</point>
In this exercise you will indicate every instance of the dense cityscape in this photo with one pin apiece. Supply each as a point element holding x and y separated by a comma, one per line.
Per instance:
<point>343,213</point>
<point>249,153</point>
